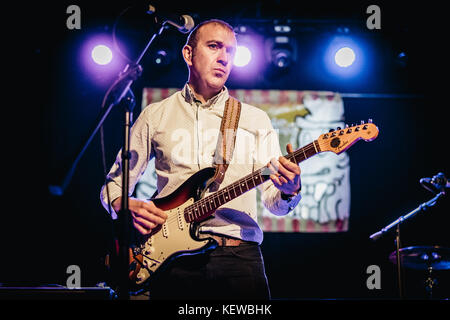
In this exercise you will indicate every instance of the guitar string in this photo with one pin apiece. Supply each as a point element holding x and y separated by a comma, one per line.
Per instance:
<point>251,178</point>
<point>248,178</point>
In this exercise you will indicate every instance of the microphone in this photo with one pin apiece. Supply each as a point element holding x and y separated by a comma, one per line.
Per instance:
<point>436,184</point>
<point>183,23</point>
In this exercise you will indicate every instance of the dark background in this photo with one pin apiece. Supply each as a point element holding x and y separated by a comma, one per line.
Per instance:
<point>54,104</point>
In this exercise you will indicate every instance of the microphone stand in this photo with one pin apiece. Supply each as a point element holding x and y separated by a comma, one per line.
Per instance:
<point>118,93</point>
<point>123,94</point>
<point>424,206</point>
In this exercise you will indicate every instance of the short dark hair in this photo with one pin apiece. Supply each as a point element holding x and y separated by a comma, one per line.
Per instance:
<point>192,38</point>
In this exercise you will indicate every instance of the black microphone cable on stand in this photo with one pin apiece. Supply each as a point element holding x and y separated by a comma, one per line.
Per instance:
<point>437,185</point>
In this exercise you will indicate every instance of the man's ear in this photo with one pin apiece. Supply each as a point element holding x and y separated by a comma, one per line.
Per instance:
<point>187,54</point>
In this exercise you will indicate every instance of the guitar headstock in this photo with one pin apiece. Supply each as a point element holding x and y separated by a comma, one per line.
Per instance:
<point>340,140</point>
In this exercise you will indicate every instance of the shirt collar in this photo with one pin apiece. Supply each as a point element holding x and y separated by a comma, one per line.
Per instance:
<point>190,98</point>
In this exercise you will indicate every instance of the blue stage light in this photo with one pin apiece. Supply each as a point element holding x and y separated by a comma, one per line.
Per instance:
<point>344,57</point>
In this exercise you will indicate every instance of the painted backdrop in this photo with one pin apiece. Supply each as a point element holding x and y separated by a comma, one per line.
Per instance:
<point>299,117</point>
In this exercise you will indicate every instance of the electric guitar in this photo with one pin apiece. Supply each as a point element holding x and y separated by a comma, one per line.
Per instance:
<point>186,207</point>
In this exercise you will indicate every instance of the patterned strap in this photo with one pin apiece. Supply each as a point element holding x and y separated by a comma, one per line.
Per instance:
<point>226,140</point>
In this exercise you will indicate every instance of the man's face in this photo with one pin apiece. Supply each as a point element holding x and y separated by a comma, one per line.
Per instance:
<point>212,58</point>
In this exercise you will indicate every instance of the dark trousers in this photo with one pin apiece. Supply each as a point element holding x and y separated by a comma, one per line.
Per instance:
<point>223,273</point>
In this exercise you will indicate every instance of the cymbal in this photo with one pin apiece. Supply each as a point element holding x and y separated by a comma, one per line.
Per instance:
<point>423,257</point>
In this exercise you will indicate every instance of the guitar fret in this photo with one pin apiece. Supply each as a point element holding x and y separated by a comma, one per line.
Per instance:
<point>212,204</point>
<point>234,192</point>
<point>205,209</point>
<point>195,212</point>
<point>202,207</point>
<point>218,201</point>
<point>221,198</point>
<point>251,183</point>
<point>187,214</point>
<point>295,160</point>
<point>311,151</point>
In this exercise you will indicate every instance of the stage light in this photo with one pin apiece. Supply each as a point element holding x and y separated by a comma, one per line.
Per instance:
<point>402,59</point>
<point>162,58</point>
<point>281,51</point>
<point>101,54</point>
<point>344,57</point>
<point>242,57</point>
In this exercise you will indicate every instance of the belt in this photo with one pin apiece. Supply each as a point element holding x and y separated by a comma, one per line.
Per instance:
<point>224,241</point>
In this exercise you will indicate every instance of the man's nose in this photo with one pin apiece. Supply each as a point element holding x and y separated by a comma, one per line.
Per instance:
<point>224,57</point>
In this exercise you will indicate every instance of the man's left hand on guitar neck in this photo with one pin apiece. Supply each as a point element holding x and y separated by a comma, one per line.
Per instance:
<point>285,174</point>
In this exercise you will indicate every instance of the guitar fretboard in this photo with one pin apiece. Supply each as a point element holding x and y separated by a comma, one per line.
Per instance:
<point>205,207</point>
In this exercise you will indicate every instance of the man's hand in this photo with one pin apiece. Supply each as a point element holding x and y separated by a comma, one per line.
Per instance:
<point>285,174</point>
<point>146,216</point>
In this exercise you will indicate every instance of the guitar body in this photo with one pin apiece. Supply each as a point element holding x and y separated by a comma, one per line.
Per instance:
<point>176,236</point>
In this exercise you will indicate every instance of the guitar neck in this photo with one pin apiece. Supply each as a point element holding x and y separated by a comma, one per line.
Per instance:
<point>205,207</point>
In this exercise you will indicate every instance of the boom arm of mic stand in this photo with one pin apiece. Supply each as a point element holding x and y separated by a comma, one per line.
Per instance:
<point>420,208</point>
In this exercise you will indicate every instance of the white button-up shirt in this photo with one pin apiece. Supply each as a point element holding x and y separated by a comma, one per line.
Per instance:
<point>181,133</point>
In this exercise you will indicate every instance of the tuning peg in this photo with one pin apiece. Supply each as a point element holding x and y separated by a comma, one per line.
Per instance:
<point>362,121</point>
<point>338,128</point>
<point>331,130</point>
<point>346,126</point>
<point>369,121</point>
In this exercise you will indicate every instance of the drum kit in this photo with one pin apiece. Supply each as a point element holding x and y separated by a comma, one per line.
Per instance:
<point>429,258</point>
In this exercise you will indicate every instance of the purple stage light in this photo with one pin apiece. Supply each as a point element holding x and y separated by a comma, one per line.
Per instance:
<point>100,60</point>
<point>249,58</point>
<point>242,57</point>
<point>101,54</point>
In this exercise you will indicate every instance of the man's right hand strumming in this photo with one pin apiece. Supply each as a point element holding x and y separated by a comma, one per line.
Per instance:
<point>146,216</point>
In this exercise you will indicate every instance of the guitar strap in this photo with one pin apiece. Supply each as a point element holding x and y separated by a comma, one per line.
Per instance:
<point>226,141</point>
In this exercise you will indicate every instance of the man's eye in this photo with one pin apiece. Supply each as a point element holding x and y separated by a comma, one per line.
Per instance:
<point>213,45</point>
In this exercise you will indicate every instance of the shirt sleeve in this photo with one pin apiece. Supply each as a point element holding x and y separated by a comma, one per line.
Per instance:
<point>268,147</point>
<point>141,153</point>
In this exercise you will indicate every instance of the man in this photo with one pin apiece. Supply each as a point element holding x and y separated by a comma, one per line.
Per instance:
<point>181,133</point>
